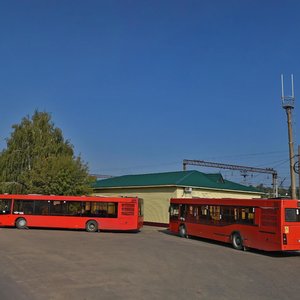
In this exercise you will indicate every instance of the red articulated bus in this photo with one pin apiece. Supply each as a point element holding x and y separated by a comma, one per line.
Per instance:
<point>265,224</point>
<point>73,212</point>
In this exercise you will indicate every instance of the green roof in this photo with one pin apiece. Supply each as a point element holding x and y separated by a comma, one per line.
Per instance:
<point>181,178</point>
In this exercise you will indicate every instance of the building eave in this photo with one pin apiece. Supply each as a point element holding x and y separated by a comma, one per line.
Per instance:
<point>176,186</point>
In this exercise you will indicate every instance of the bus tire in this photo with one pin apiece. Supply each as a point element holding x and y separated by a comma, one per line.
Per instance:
<point>21,223</point>
<point>237,241</point>
<point>91,226</point>
<point>183,231</point>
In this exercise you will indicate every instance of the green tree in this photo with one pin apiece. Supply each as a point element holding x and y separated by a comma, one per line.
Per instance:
<point>268,191</point>
<point>39,160</point>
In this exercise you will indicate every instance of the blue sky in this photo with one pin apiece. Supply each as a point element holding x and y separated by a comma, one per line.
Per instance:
<point>137,86</point>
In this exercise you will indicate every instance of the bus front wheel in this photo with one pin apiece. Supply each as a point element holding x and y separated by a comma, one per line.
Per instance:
<point>237,241</point>
<point>183,231</point>
<point>91,226</point>
<point>21,223</point>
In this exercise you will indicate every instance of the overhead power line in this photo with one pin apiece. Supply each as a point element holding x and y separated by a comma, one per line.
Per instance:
<point>243,169</point>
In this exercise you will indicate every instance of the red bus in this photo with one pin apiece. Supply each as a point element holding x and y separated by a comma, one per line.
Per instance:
<point>73,212</point>
<point>265,224</point>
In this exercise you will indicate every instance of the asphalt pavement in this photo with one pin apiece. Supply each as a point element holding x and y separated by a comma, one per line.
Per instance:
<point>152,264</point>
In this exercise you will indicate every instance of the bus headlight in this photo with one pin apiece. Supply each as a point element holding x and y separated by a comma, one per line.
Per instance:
<point>286,229</point>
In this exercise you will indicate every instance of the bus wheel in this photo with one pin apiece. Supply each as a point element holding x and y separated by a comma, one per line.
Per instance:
<point>182,231</point>
<point>237,241</point>
<point>21,223</point>
<point>91,226</point>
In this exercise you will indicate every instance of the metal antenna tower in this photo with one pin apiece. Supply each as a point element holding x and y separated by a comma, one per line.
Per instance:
<point>288,104</point>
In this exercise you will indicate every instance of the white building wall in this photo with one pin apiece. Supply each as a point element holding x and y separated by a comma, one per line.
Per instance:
<point>157,199</point>
<point>202,193</point>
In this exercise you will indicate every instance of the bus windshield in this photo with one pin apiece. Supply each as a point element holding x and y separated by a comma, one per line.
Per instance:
<point>5,206</point>
<point>292,215</point>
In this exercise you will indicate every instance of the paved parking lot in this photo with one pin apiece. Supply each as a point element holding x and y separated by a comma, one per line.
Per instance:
<point>151,264</point>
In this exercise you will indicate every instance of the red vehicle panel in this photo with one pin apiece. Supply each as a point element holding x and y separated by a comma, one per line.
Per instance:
<point>266,224</point>
<point>90,213</point>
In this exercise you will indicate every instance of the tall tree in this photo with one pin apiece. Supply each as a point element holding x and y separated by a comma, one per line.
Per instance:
<point>39,160</point>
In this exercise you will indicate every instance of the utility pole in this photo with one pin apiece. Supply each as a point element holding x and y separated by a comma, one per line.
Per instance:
<point>288,105</point>
<point>299,170</point>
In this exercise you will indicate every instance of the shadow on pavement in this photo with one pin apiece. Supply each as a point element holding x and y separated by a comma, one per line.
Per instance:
<point>282,254</point>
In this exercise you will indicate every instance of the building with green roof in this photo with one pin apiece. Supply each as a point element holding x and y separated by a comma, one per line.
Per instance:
<point>157,188</point>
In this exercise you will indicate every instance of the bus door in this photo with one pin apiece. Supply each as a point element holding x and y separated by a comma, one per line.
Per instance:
<point>5,211</point>
<point>182,212</point>
<point>174,216</point>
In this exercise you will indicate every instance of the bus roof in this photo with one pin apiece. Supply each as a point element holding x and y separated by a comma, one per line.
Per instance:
<point>65,198</point>
<point>272,202</point>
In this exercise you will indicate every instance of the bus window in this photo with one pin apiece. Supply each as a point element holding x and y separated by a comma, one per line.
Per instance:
<point>227,213</point>
<point>174,211</point>
<point>41,207</point>
<point>23,207</point>
<point>86,209</point>
<point>58,208</point>
<point>292,215</point>
<point>182,211</point>
<point>203,214</point>
<point>74,208</point>
<point>5,206</point>
<point>112,210</point>
<point>99,209</point>
<point>244,215</point>
<point>105,210</point>
<point>215,213</point>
